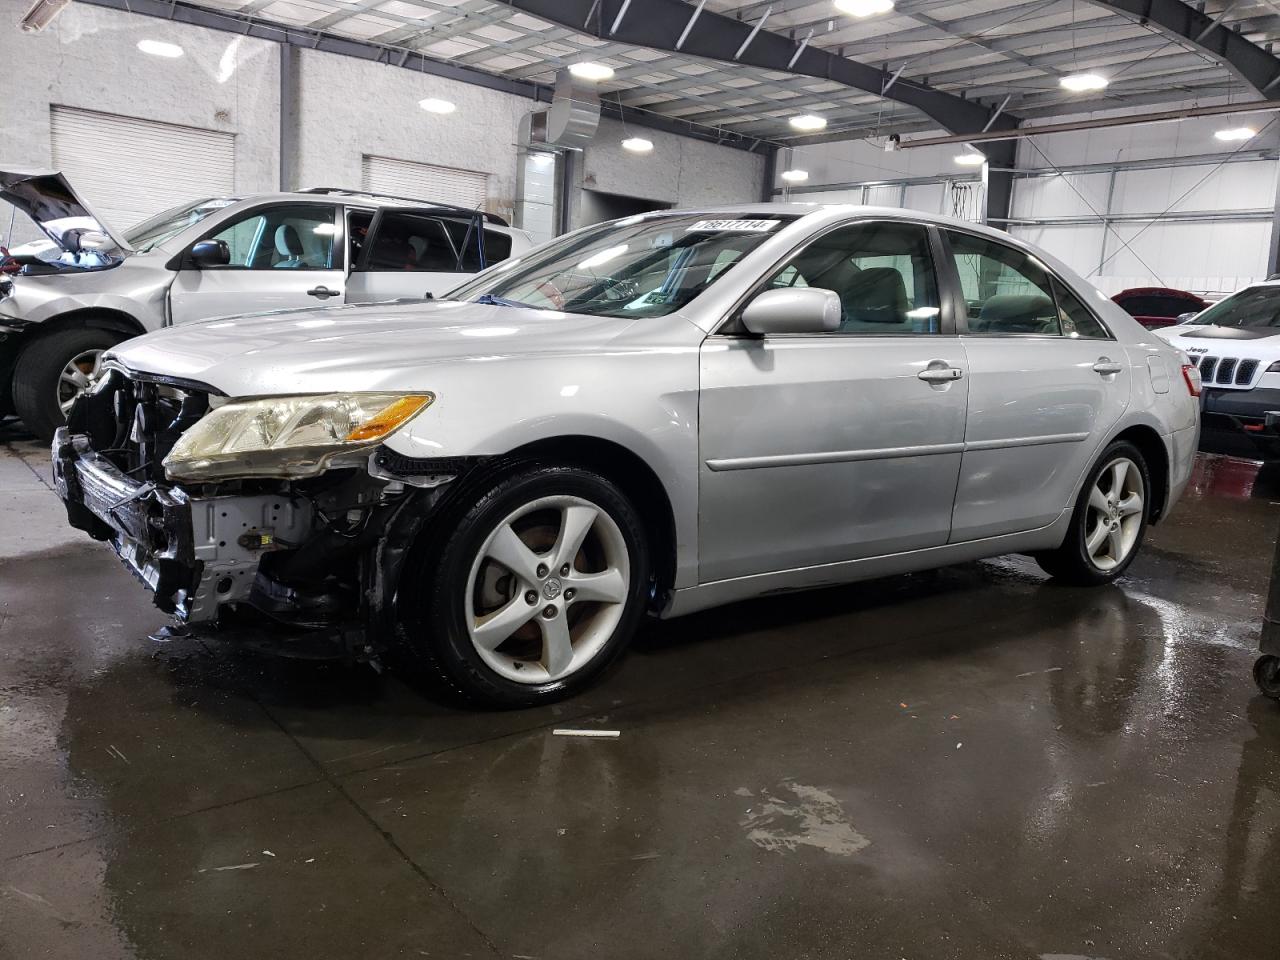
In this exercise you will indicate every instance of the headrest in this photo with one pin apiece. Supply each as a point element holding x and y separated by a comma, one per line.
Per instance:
<point>1015,312</point>
<point>288,244</point>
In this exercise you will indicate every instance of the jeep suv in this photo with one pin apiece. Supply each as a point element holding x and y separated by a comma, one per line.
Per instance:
<point>67,299</point>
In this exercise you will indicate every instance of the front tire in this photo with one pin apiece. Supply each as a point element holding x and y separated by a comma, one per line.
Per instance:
<point>52,372</point>
<point>534,589</point>
<point>1109,521</point>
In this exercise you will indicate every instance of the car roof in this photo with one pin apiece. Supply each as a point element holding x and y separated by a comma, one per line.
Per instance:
<point>1158,292</point>
<point>367,199</point>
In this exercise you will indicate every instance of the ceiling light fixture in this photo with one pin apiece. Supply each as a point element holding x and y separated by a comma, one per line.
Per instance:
<point>808,121</point>
<point>1236,133</point>
<point>1083,82</point>
<point>863,8</point>
<point>637,145</point>
<point>795,176</point>
<point>41,14</point>
<point>158,48</point>
<point>591,71</point>
<point>973,159</point>
<point>432,105</point>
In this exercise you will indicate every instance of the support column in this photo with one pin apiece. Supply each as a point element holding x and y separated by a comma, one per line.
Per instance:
<point>998,183</point>
<point>1273,253</point>
<point>289,117</point>
<point>770,173</point>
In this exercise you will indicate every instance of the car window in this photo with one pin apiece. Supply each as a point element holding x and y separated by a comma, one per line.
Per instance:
<point>414,242</point>
<point>1250,307</point>
<point>358,223</point>
<point>1076,320</point>
<point>284,237</point>
<point>882,272</point>
<point>641,266</point>
<point>1006,291</point>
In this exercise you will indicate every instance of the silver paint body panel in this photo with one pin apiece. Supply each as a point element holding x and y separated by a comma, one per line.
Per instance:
<point>789,461</point>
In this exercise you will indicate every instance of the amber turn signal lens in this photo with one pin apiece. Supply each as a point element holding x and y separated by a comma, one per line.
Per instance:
<point>390,417</point>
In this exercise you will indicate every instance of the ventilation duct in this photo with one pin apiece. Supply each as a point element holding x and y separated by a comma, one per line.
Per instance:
<point>574,113</point>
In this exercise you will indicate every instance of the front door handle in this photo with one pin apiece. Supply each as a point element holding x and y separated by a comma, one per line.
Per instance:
<point>1107,366</point>
<point>324,293</point>
<point>940,374</point>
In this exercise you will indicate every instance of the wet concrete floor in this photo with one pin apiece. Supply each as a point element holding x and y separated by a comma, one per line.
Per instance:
<point>968,763</point>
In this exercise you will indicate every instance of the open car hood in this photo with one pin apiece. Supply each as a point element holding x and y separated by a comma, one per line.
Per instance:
<point>47,198</point>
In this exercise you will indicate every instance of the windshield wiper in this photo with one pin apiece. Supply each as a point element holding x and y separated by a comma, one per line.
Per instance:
<point>496,301</point>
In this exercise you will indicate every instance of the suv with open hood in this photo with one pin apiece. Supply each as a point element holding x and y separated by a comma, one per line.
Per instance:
<point>67,299</point>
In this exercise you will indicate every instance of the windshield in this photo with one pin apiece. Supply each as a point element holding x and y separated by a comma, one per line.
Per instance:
<point>646,266</point>
<point>152,232</point>
<point>1251,307</point>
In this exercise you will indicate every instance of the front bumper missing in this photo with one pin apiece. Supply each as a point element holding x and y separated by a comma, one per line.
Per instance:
<point>194,553</point>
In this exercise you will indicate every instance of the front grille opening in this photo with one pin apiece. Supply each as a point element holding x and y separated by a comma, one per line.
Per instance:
<point>1226,371</point>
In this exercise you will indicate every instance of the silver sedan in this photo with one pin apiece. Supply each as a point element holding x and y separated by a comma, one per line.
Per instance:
<point>649,416</point>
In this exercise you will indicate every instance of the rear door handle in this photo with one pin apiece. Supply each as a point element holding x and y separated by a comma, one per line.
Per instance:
<point>940,374</point>
<point>1106,365</point>
<point>324,293</point>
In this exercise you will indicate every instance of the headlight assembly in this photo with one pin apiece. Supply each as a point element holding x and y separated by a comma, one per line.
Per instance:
<point>288,436</point>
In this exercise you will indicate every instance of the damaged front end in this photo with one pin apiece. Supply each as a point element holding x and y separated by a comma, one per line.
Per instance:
<point>307,565</point>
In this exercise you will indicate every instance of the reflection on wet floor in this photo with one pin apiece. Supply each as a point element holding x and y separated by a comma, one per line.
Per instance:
<point>973,762</point>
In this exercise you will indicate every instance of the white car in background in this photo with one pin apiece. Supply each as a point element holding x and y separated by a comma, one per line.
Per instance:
<point>1235,344</point>
<point>65,301</point>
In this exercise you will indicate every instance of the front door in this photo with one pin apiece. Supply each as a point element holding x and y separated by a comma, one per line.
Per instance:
<point>281,255</point>
<point>1047,386</point>
<point>827,447</point>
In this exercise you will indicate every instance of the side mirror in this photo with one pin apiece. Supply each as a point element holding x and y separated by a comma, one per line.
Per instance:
<point>210,253</point>
<point>793,310</point>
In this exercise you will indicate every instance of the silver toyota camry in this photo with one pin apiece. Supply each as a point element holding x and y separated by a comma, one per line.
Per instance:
<point>649,416</point>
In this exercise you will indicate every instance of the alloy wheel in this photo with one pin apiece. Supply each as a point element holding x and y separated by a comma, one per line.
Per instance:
<point>76,377</point>
<point>1115,513</point>
<point>547,589</point>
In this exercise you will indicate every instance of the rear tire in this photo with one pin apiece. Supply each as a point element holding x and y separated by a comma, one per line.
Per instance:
<point>535,585</point>
<point>50,370</point>
<point>1109,521</point>
<point>1266,674</point>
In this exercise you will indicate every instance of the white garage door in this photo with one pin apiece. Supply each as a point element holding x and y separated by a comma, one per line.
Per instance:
<point>129,169</point>
<point>424,181</point>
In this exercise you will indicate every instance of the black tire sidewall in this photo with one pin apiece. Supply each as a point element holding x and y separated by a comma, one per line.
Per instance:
<point>1079,525</point>
<point>435,622</point>
<point>36,373</point>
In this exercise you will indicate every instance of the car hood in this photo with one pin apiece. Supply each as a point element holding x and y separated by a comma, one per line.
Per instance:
<point>60,213</point>
<point>390,346</point>
<point>1258,343</point>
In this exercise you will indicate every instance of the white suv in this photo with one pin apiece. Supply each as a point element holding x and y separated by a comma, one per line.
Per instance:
<point>64,301</point>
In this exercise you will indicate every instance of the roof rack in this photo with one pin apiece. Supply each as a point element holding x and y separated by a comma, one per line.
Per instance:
<point>469,211</point>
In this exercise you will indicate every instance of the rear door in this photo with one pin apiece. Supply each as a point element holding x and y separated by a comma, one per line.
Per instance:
<point>1048,383</point>
<point>415,252</point>
<point>820,448</point>
<point>282,255</point>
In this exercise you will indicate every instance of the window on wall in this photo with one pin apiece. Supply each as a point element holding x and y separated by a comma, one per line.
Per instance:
<point>882,272</point>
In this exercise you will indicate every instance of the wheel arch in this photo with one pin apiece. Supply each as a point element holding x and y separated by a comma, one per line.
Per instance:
<point>633,475</point>
<point>91,318</point>
<point>1153,450</point>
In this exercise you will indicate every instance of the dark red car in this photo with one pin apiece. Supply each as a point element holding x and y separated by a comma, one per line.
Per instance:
<point>1158,306</point>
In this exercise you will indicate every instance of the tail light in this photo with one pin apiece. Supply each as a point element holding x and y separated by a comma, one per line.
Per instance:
<point>1191,374</point>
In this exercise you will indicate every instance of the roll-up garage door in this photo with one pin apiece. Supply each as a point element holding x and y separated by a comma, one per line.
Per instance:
<point>129,169</point>
<point>425,181</point>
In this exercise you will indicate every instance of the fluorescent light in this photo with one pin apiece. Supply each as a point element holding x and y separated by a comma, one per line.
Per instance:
<point>591,71</point>
<point>1081,82</point>
<point>158,48</point>
<point>808,121</point>
<point>970,159</point>
<point>1236,133</point>
<point>637,145</point>
<point>795,176</point>
<point>432,105</point>
<point>864,8</point>
<point>41,15</point>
